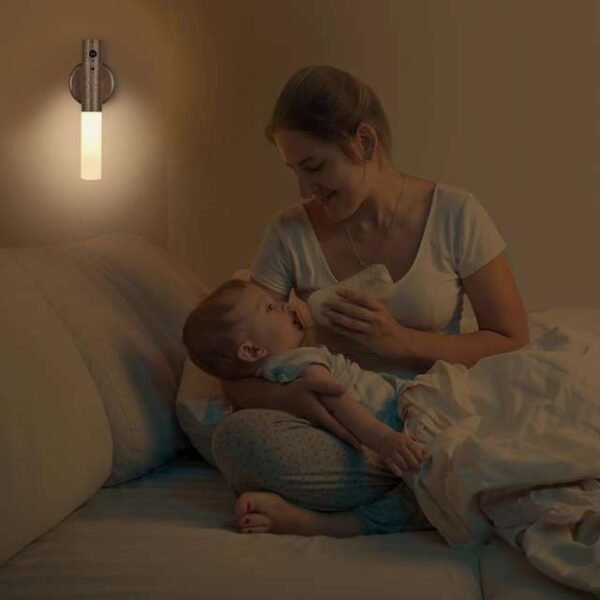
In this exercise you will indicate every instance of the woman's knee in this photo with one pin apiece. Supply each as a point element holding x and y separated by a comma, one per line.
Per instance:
<point>243,431</point>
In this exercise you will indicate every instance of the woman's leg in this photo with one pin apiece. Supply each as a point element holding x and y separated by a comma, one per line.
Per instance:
<point>260,450</point>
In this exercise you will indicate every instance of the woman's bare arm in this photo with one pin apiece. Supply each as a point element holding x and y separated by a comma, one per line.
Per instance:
<point>254,392</point>
<point>300,398</point>
<point>501,318</point>
<point>355,417</point>
<point>397,449</point>
<point>497,305</point>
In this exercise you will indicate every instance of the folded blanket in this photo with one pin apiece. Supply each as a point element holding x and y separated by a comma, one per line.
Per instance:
<point>514,448</point>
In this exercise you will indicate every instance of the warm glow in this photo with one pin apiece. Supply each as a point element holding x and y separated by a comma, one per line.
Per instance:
<point>91,145</point>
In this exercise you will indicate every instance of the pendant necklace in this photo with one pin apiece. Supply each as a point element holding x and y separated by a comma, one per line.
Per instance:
<point>385,235</point>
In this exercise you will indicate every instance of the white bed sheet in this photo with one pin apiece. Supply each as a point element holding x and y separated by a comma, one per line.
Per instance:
<point>514,447</point>
<point>164,536</point>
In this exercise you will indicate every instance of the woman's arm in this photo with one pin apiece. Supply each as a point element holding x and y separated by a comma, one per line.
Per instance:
<point>300,398</point>
<point>348,411</point>
<point>254,392</point>
<point>397,449</point>
<point>501,318</point>
<point>497,305</point>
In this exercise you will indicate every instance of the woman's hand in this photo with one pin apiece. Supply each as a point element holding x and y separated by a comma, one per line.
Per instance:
<point>302,400</point>
<point>360,316</point>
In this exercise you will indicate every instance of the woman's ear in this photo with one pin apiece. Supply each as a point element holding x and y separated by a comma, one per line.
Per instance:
<point>367,139</point>
<point>248,351</point>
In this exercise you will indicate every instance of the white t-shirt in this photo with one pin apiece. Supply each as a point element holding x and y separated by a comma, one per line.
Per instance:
<point>459,238</point>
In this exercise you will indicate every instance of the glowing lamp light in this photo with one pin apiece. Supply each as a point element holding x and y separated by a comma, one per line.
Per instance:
<point>91,83</point>
<point>91,145</point>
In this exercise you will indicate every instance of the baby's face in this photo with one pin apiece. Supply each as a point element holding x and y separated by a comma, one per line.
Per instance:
<point>270,323</point>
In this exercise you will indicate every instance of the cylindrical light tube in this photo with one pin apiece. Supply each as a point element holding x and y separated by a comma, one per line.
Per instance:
<point>91,145</point>
<point>91,107</point>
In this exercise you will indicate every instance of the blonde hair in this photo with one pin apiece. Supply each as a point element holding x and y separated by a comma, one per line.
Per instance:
<point>208,333</point>
<point>329,104</point>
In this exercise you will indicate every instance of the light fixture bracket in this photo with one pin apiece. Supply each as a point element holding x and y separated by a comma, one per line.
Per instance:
<point>107,84</point>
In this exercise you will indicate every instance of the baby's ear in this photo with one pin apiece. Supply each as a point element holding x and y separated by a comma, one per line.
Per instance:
<point>248,351</point>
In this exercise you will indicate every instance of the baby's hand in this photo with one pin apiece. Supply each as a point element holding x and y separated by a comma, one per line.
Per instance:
<point>400,452</point>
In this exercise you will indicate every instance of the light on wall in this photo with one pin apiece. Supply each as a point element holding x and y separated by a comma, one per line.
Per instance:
<point>91,83</point>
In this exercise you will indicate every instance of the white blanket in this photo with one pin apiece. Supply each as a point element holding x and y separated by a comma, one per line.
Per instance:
<point>514,447</point>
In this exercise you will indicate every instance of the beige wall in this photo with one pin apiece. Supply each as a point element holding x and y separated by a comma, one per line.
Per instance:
<point>42,198</point>
<point>500,97</point>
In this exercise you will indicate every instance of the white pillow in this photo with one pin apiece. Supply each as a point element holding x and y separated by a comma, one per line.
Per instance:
<point>123,301</point>
<point>201,405</point>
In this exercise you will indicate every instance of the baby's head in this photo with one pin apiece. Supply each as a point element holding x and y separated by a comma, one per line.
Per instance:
<point>236,327</point>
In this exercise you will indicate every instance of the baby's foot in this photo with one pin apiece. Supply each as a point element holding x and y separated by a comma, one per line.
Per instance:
<point>264,512</point>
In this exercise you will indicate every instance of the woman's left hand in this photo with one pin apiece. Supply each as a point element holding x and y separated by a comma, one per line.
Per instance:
<point>360,316</point>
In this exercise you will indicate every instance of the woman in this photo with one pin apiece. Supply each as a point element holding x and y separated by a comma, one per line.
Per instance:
<point>438,243</point>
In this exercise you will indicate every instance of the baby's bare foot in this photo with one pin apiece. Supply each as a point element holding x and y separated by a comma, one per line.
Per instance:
<point>264,512</point>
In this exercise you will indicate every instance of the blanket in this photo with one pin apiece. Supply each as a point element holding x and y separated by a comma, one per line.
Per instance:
<point>514,449</point>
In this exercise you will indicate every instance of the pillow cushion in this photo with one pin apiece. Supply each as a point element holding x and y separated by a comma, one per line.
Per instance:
<point>201,405</point>
<point>55,440</point>
<point>123,302</point>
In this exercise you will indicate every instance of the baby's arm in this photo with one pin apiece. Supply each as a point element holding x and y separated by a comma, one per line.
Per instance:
<point>398,449</point>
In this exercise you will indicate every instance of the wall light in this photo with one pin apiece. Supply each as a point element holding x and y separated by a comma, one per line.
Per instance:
<point>91,83</point>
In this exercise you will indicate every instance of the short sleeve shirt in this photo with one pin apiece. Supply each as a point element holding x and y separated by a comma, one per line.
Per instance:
<point>459,238</point>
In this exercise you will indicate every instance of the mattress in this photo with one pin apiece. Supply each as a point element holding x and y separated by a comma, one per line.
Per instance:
<point>165,536</point>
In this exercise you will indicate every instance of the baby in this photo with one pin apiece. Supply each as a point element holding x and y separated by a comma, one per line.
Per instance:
<point>239,330</point>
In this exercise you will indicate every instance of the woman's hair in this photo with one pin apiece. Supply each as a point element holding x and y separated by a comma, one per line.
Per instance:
<point>329,104</point>
<point>208,333</point>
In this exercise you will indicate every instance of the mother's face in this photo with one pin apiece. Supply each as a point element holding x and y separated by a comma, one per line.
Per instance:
<point>324,172</point>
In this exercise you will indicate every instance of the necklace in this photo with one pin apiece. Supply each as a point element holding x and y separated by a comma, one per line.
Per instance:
<point>386,233</point>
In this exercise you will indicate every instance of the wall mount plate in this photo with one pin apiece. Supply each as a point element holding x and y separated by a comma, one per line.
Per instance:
<point>108,83</point>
